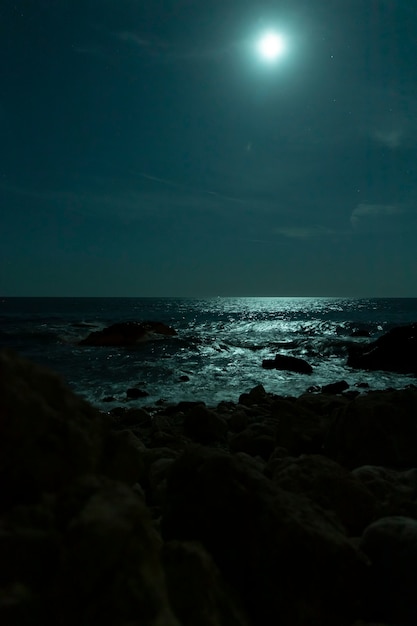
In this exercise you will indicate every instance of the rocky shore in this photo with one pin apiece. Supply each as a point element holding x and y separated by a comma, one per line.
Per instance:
<point>269,510</point>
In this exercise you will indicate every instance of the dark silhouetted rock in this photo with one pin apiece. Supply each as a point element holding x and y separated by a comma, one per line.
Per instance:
<point>299,428</point>
<point>204,425</point>
<point>258,439</point>
<point>335,388</point>
<point>111,573</point>
<point>289,560</point>
<point>133,393</point>
<point>395,491</point>
<point>256,395</point>
<point>331,486</point>
<point>396,351</point>
<point>196,588</point>
<point>391,545</point>
<point>48,435</point>
<point>127,334</point>
<point>288,363</point>
<point>379,428</point>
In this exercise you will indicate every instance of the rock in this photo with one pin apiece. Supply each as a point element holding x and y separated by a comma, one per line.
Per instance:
<point>331,486</point>
<point>379,428</point>
<point>289,363</point>
<point>123,457</point>
<point>197,591</point>
<point>183,378</point>
<point>299,429</point>
<point>255,396</point>
<point>237,421</point>
<point>48,435</point>
<point>258,439</point>
<point>134,393</point>
<point>183,406</point>
<point>394,352</point>
<point>135,418</point>
<point>391,545</point>
<point>395,491</point>
<point>204,425</point>
<point>335,388</point>
<point>112,572</point>
<point>127,334</point>
<point>290,562</point>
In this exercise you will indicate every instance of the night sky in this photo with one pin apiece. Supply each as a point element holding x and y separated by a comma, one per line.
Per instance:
<point>149,149</point>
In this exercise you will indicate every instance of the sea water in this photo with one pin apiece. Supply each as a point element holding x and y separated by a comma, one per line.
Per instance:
<point>219,347</point>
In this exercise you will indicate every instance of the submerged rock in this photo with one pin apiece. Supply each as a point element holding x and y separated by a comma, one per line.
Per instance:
<point>127,334</point>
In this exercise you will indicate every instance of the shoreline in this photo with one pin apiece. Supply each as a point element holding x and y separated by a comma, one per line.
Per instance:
<point>298,511</point>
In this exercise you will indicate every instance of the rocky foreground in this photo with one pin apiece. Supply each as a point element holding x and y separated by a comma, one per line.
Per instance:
<point>267,511</point>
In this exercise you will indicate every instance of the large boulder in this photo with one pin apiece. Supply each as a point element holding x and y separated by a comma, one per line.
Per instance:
<point>204,425</point>
<point>197,591</point>
<point>48,435</point>
<point>328,484</point>
<point>395,491</point>
<point>127,334</point>
<point>111,571</point>
<point>391,545</point>
<point>301,426</point>
<point>379,428</point>
<point>290,561</point>
<point>288,363</point>
<point>396,351</point>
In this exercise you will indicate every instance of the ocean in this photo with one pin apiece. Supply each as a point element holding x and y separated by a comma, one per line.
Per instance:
<point>217,353</point>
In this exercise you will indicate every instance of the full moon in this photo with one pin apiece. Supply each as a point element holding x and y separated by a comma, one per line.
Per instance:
<point>271,46</point>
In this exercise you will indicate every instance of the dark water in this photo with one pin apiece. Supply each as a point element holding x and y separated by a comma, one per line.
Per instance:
<point>220,345</point>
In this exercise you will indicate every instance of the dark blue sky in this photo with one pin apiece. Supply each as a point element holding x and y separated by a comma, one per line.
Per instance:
<point>146,149</point>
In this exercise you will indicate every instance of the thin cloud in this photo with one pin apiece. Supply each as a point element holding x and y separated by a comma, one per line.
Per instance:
<point>312,232</point>
<point>389,138</point>
<point>374,212</point>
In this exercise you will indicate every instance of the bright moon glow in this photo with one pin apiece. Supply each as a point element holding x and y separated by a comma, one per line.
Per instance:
<point>271,46</point>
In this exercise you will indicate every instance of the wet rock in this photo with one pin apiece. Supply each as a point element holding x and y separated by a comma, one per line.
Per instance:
<point>288,363</point>
<point>335,388</point>
<point>204,425</point>
<point>127,334</point>
<point>133,393</point>
<point>257,395</point>
<point>391,545</point>
<point>331,486</point>
<point>379,428</point>
<point>48,435</point>
<point>394,352</point>
<point>264,540</point>
<point>196,588</point>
